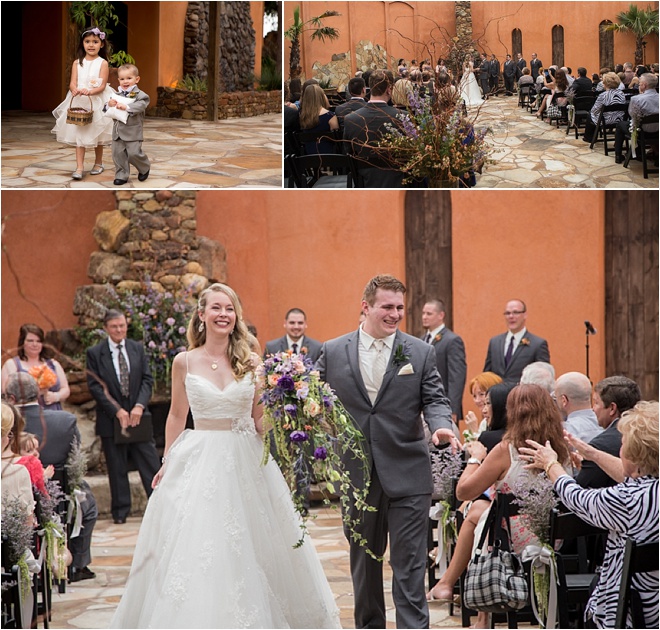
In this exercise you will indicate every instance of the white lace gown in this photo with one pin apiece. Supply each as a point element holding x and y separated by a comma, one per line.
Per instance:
<point>469,88</point>
<point>215,549</point>
<point>99,131</point>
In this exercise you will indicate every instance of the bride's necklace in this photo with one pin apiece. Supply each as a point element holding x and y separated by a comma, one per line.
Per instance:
<point>214,362</point>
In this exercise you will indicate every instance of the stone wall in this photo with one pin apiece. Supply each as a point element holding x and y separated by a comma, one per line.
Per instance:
<point>237,44</point>
<point>187,105</point>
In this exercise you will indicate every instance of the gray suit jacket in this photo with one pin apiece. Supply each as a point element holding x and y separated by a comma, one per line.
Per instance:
<point>56,431</point>
<point>132,129</point>
<point>644,104</point>
<point>392,426</point>
<point>531,349</point>
<point>313,347</point>
<point>450,357</point>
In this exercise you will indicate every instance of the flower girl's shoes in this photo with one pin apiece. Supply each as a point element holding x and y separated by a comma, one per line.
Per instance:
<point>77,174</point>
<point>97,169</point>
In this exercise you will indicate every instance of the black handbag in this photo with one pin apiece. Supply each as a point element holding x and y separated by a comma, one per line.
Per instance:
<point>495,580</point>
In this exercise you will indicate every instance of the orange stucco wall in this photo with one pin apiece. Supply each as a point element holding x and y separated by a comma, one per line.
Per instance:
<point>287,248</point>
<point>406,29</point>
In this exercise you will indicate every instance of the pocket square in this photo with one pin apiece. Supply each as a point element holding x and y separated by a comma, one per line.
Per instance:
<point>406,369</point>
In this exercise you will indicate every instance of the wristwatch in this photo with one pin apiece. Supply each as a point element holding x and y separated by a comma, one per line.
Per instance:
<point>474,460</point>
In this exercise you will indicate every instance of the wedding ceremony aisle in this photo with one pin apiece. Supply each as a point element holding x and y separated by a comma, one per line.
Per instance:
<point>530,153</point>
<point>91,603</point>
<point>232,153</point>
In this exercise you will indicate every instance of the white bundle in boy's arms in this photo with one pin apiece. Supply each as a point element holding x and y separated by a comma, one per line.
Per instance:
<point>119,114</point>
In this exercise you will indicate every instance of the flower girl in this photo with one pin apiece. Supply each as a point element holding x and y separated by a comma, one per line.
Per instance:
<point>89,89</point>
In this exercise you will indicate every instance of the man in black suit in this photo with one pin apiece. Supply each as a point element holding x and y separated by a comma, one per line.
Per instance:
<point>449,353</point>
<point>510,352</point>
<point>493,74</point>
<point>57,432</point>
<point>509,73</point>
<point>119,379</point>
<point>582,86</point>
<point>535,64</point>
<point>612,396</point>
<point>364,128</point>
<point>484,70</point>
<point>357,90</point>
<point>295,325</point>
<point>520,64</point>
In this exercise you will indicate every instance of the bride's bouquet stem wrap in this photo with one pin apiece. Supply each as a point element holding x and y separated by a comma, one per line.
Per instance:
<point>309,433</point>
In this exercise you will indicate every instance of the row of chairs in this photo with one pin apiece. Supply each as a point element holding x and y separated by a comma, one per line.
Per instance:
<point>605,132</point>
<point>580,553</point>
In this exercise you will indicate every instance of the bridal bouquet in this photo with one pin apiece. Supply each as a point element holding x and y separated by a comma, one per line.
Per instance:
<point>308,430</point>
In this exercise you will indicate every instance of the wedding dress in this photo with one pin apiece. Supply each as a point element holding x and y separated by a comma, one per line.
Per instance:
<point>215,549</point>
<point>469,88</point>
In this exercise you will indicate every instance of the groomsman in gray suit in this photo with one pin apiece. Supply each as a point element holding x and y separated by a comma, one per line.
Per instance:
<point>387,380</point>
<point>295,324</point>
<point>509,353</point>
<point>450,354</point>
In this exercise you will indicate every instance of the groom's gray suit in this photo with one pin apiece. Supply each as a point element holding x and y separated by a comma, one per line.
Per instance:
<point>401,482</point>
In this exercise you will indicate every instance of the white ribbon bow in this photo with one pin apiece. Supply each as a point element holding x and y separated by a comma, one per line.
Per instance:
<point>540,557</point>
<point>437,513</point>
<point>78,497</point>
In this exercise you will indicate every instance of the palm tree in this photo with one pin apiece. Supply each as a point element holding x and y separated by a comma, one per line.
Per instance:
<point>640,23</point>
<point>295,31</point>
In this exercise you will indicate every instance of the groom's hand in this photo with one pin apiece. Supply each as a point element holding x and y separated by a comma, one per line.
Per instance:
<point>444,436</point>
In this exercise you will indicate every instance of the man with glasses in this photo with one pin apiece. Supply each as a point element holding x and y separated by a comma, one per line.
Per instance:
<point>509,353</point>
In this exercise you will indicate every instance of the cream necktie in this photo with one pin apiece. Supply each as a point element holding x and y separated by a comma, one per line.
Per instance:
<point>379,365</point>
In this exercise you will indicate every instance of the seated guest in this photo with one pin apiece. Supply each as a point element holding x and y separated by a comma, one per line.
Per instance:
<point>600,87</point>
<point>568,72</point>
<point>627,510</point>
<point>582,86</point>
<point>639,71</point>
<point>539,373</point>
<point>644,104</point>
<point>357,91</point>
<point>28,449</point>
<point>295,90</point>
<point>402,68</point>
<point>315,117</point>
<point>628,74</point>
<point>611,96</point>
<point>401,92</point>
<point>57,431</point>
<point>573,397</point>
<point>558,86</point>
<point>526,77</point>
<point>364,128</point>
<point>479,387</point>
<point>290,111</point>
<point>15,478</point>
<point>446,92</point>
<point>655,68</point>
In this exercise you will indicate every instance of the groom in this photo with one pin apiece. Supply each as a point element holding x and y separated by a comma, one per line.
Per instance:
<point>386,379</point>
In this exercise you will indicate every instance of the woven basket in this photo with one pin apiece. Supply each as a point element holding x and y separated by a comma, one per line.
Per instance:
<point>79,115</point>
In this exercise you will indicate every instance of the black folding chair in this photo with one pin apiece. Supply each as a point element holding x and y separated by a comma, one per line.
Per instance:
<point>525,92</point>
<point>323,170</point>
<point>603,127</point>
<point>645,139</point>
<point>581,112</point>
<point>636,559</point>
<point>321,141</point>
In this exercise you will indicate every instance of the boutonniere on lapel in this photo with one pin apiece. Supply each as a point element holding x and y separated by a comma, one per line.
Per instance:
<point>401,357</point>
<point>524,341</point>
<point>303,350</point>
<point>437,338</point>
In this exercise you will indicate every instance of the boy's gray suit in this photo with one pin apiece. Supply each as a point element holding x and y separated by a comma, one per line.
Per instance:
<point>127,139</point>
<point>401,482</point>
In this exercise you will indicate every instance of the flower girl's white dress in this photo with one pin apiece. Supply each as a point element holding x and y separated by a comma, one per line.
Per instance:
<point>215,548</point>
<point>99,131</point>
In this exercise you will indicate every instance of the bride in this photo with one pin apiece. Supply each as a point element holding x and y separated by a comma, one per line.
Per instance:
<point>216,545</point>
<point>469,88</point>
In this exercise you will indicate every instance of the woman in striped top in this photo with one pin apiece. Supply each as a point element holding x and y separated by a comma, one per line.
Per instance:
<point>627,510</point>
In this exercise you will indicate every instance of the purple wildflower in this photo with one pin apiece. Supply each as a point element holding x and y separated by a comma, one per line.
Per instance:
<point>298,436</point>
<point>320,452</point>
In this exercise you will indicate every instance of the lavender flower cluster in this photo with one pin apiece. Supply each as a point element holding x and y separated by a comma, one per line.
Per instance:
<point>535,496</point>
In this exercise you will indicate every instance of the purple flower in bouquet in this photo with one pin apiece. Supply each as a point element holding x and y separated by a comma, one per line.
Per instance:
<point>298,436</point>
<point>292,410</point>
<point>320,452</point>
<point>286,383</point>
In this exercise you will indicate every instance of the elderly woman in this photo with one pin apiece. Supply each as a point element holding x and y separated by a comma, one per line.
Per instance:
<point>35,358</point>
<point>611,96</point>
<point>627,510</point>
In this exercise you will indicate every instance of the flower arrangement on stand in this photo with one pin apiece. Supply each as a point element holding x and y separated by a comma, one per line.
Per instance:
<point>536,499</point>
<point>310,431</point>
<point>445,467</point>
<point>18,531</point>
<point>436,141</point>
<point>52,530</point>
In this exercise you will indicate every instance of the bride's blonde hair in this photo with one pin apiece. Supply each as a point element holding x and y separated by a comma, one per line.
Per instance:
<point>239,350</point>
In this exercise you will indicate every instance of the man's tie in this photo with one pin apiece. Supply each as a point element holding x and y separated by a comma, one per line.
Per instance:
<point>380,364</point>
<point>427,337</point>
<point>509,353</point>
<point>123,371</point>
<point>294,347</point>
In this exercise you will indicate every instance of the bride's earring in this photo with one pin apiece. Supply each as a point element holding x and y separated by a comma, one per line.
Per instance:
<point>201,327</point>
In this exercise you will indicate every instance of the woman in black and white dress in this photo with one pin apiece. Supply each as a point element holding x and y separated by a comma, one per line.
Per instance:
<point>627,510</point>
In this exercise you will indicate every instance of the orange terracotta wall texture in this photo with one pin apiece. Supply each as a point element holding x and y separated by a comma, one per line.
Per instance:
<point>406,28</point>
<point>317,252</point>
